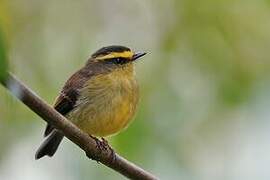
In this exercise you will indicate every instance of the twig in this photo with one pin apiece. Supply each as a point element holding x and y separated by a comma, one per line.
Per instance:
<point>83,140</point>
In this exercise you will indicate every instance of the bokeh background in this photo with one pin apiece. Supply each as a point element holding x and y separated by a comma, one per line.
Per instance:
<point>205,85</point>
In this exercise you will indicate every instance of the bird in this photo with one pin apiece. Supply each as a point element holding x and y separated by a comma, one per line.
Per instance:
<point>101,98</point>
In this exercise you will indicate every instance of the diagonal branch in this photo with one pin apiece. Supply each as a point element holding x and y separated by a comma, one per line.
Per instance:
<point>83,140</point>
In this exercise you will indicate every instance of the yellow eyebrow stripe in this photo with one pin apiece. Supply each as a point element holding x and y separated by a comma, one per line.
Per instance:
<point>125,54</point>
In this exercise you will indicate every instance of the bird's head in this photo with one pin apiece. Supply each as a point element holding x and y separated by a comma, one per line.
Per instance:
<point>115,58</point>
<point>118,55</point>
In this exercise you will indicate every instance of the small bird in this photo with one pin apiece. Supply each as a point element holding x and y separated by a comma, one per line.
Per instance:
<point>100,98</point>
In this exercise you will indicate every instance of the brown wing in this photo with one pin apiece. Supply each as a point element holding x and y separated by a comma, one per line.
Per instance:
<point>66,101</point>
<point>64,104</point>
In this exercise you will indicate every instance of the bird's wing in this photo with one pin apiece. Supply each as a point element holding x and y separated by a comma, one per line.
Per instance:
<point>66,101</point>
<point>63,104</point>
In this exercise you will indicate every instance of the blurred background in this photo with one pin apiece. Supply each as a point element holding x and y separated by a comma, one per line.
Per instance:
<point>205,85</point>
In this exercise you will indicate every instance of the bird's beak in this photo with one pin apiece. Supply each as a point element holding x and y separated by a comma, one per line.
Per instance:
<point>138,55</point>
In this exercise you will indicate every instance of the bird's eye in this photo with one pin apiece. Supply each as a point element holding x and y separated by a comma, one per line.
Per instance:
<point>118,60</point>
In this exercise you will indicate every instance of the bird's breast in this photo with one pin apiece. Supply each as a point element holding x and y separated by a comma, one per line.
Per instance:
<point>106,104</point>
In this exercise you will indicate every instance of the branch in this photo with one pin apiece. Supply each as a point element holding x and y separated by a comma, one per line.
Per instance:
<point>72,132</point>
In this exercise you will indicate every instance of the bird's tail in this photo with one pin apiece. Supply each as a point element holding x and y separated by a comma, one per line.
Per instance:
<point>50,145</point>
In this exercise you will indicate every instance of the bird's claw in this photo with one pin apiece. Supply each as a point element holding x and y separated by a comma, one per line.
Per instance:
<point>104,146</point>
<point>113,156</point>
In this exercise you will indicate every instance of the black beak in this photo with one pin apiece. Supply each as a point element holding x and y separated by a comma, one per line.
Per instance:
<point>138,55</point>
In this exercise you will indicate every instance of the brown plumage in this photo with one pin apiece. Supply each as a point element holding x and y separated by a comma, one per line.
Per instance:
<point>100,98</point>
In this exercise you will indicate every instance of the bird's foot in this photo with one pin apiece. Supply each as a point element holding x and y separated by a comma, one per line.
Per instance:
<point>105,142</point>
<point>104,146</point>
<point>112,155</point>
<point>100,145</point>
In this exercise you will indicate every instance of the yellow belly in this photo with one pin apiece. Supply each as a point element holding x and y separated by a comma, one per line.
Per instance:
<point>105,110</point>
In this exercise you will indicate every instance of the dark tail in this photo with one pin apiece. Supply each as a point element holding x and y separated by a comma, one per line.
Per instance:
<point>50,145</point>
